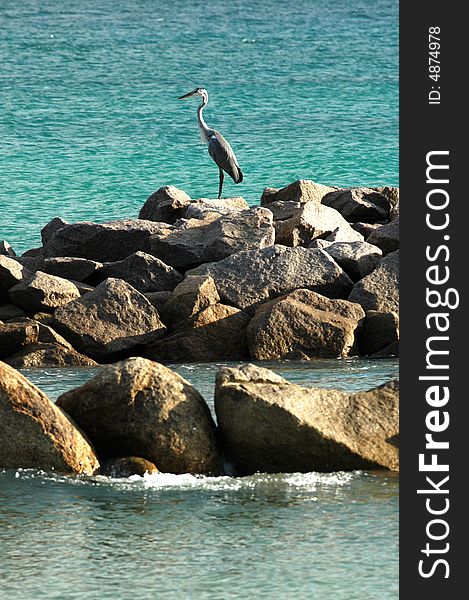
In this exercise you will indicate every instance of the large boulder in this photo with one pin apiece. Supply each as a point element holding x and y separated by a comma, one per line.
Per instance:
<point>141,408</point>
<point>357,259</point>
<point>269,425</point>
<point>12,272</point>
<point>35,433</point>
<point>216,333</point>
<point>386,237</point>
<point>111,319</point>
<point>310,221</point>
<point>43,292</point>
<point>14,336</point>
<point>252,277</point>
<point>197,241</point>
<point>166,205</point>
<point>144,272</point>
<point>51,227</point>
<point>302,191</point>
<point>380,331</point>
<point>199,208</point>
<point>102,242</point>
<point>303,322</point>
<point>380,289</point>
<point>193,294</point>
<point>76,269</point>
<point>48,355</point>
<point>359,204</point>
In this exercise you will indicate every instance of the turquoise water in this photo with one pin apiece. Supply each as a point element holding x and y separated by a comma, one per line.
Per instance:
<point>285,536</point>
<point>90,125</point>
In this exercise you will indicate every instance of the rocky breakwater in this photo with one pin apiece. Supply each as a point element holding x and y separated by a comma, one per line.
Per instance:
<point>138,416</point>
<point>311,272</point>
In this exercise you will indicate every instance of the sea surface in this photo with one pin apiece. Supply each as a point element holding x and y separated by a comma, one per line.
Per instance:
<point>282,536</point>
<point>90,125</point>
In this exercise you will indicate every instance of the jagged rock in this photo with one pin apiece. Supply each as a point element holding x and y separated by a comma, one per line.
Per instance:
<point>269,425</point>
<point>111,319</point>
<point>203,240</point>
<point>193,294</point>
<point>359,204</point>
<point>35,433</point>
<point>381,330</point>
<point>344,234</point>
<point>380,289</point>
<point>215,333</point>
<point>76,269</point>
<point>128,466</point>
<point>54,225</point>
<point>140,408</point>
<point>226,206</point>
<point>48,355</point>
<point>12,272</point>
<point>144,272</point>
<point>365,229</point>
<point>43,292</point>
<point>102,242</point>
<point>303,322</point>
<point>302,191</point>
<point>6,249</point>
<point>13,336</point>
<point>158,299</point>
<point>386,237</point>
<point>357,259</point>
<point>391,193</point>
<point>283,210</point>
<point>166,205</point>
<point>311,221</point>
<point>252,277</point>
<point>9,312</point>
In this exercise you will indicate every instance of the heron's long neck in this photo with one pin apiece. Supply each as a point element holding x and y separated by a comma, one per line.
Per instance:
<point>204,130</point>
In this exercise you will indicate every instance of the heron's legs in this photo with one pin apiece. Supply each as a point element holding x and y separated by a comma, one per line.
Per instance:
<point>222,176</point>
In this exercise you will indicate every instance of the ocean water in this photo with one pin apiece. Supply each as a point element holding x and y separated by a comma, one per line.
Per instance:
<point>90,125</point>
<point>287,536</point>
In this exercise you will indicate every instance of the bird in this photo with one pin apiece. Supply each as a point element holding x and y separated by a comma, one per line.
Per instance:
<point>218,148</point>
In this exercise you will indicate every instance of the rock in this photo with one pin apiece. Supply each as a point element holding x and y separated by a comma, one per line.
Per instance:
<point>193,294</point>
<point>111,319</point>
<point>128,466</point>
<point>204,240</point>
<point>344,234</point>
<point>43,292</point>
<point>12,272</point>
<point>365,229</point>
<point>10,312</point>
<point>6,249</point>
<point>13,336</point>
<point>48,355</point>
<point>199,208</point>
<point>140,408</point>
<point>215,333</point>
<point>35,433</point>
<point>357,259</point>
<point>310,221</point>
<point>76,269</point>
<point>166,205</point>
<point>106,242</point>
<point>359,204</point>
<point>274,426</point>
<point>303,324</point>
<point>391,193</point>
<point>380,289</point>
<point>33,253</point>
<point>386,237</point>
<point>302,191</point>
<point>252,277</point>
<point>143,271</point>
<point>52,227</point>
<point>283,210</point>
<point>381,329</point>
<point>158,299</point>
<point>391,351</point>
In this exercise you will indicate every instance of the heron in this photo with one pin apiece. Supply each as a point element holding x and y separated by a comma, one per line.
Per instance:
<point>218,148</point>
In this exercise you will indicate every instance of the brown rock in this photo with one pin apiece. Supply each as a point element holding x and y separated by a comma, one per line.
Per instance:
<point>12,272</point>
<point>166,205</point>
<point>48,355</point>
<point>54,225</point>
<point>140,408</point>
<point>225,206</point>
<point>359,204</point>
<point>380,289</point>
<point>10,312</point>
<point>128,466</point>
<point>35,433</point>
<point>43,292</point>
<point>274,426</point>
<point>302,191</point>
<point>14,336</point>
<point>193,294</point>
<point>381,329</point>
<point>386,237</point>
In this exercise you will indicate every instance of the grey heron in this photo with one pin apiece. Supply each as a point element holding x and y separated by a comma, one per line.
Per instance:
<point>218,147</point>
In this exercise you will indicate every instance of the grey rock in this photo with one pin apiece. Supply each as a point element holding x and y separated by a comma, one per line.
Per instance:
<point>226,206</point>
<point>380,331</point>
<point>76,269</point>
<point>12,272</point>
<point>357,259</point>
<point>54,225</point>
<point>302,191</point>
<point>365,229</point>
<point>166,205</point>
<point>380,289</point>
<point>344,234</point>
<point>193,294</point>
<point>386,237</point>
<point>43,292</point>
<point>359,204</point>
<point>158,299</point>
<point>6,249</point>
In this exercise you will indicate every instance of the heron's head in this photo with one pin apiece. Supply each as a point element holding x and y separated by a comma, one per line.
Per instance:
<point>197,92</point>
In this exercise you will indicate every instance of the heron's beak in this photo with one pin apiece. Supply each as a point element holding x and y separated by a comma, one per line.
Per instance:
<point>188,95</point>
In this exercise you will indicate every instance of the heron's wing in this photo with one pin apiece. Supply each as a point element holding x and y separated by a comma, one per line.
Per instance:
<point>223,155</point>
